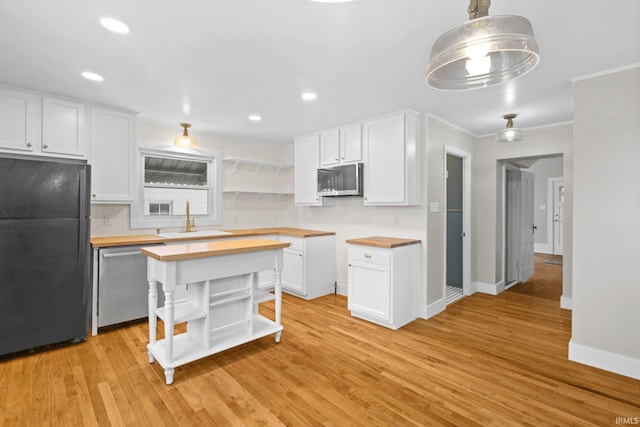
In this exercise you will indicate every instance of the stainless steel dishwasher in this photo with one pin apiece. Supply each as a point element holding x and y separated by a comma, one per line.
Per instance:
<point>122,287</point>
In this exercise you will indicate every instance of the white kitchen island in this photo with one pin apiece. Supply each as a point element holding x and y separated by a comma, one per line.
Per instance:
<point>213,287</point>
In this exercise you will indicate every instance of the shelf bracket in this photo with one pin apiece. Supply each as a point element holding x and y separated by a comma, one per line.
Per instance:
<point>235,166</point>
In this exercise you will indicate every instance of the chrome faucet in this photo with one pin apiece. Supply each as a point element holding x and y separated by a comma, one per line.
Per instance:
<point>191,223</point>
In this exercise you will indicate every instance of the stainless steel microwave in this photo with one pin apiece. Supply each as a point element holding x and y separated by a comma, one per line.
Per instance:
<point>340,180</point>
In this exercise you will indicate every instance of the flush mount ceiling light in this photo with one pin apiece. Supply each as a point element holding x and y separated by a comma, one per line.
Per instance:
<point>510,134</point>
<point>482,52</point>
<point>184,140</point>
<point>255,118</point>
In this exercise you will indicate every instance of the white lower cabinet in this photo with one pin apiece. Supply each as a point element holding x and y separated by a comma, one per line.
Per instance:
<point>309,266</point>
<point>293,273</point>
<point>383,281</point>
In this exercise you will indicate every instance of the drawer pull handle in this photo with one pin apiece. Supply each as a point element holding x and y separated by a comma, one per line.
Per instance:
<point>29,144</point>
<point>367,255</point>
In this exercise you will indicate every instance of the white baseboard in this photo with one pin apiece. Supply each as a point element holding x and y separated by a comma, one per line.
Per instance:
<point>565,302</point>
<point>613,362</point>
<point>543,248</point>
<point>342,290</point>
<point>432,309</point>
<point>473,288</point>
<point>489,288</point>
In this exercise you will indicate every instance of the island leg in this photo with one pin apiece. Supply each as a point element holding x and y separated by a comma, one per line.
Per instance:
<point>168,326</point>
<point>168,375</point>
<point>153,304</point>
<point>278,292</point>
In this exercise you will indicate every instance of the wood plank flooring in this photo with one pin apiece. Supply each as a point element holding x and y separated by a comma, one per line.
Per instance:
<point>487,360</point>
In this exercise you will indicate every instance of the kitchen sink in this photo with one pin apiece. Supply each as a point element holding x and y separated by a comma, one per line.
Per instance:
<point>201,233</point>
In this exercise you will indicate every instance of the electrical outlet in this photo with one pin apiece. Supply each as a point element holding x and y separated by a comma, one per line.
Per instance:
<point>107,221</point>
<point>235,218</point>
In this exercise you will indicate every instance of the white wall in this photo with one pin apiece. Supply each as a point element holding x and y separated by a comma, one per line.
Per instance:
<point>606,294</point>
<point>439,135</point>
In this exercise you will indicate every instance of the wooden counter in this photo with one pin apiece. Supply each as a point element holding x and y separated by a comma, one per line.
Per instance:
<point>383,242</point>
<point>205,249</point>
<point>110,241</point>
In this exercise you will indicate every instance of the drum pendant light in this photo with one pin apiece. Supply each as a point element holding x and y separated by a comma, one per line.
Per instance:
<point>482,52</point>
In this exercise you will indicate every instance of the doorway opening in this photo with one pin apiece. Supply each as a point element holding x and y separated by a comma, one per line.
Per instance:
<point>532,218</point>
<point>457,224</point>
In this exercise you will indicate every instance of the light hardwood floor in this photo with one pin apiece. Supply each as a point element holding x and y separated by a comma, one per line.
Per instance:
<point>487,360</point>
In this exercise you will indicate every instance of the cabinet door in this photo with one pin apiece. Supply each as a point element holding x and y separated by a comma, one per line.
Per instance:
<point>19,121</point>
<point>293,270</point>
<point>63,127</point>
<point>351,143</point>
<point>112,155</point>
<point>385,160</point>
<point>370,289</point>
<point>307,159</point>
<point>330,147</point>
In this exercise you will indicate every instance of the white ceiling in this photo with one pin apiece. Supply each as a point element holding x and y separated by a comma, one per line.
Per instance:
<point>214,62</point>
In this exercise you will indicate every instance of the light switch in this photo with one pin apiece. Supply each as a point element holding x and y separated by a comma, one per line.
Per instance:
<point>434,207</point>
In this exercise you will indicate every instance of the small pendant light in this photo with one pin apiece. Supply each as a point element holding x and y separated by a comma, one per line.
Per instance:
<point>184,140</point>
<point>510,134</point>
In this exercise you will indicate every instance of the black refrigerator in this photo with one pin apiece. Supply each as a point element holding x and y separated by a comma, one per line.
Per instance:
<point>45,287</point>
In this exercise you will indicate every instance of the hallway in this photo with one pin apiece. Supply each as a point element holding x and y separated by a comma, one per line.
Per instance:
<point>546,281</point>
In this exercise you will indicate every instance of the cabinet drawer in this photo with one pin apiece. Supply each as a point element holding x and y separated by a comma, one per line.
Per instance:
<point>369,254</point>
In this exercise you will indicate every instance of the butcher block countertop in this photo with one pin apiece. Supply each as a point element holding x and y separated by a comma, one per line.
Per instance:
<point>206,249</point>
<point>383,242</point>
<point>148,239</point>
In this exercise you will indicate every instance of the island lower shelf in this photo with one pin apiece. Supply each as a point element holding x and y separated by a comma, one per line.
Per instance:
<point>186,349</point>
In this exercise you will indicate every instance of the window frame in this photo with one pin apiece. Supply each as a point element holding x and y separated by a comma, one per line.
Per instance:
<point>214,187</point>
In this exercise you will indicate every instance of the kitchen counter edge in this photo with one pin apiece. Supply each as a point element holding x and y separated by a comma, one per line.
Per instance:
<point>150,239</point>
<point>383,242</point>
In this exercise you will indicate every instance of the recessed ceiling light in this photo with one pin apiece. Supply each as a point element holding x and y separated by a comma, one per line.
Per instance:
<point>309,96</point>
<point>115,25</point>
<point>92,76</point>
<point>255,118</point>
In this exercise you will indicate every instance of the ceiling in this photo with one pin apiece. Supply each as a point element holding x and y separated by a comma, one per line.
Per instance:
<point>213,63</point>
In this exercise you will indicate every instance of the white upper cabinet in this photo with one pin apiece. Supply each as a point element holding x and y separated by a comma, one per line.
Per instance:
<point>391,173</point>
<point>64,129</point>
<point>330,147</point>
<point>34,124</point>
<point>112,156</point>
<point>351,143</point>
<point>343,145</point>
<point>307,159</point>
<point>20,129</point>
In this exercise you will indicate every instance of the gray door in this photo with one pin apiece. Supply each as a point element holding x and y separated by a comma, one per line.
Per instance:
<point>520,227</point>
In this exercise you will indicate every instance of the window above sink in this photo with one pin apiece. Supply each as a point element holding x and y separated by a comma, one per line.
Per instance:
<point>167,180</point>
